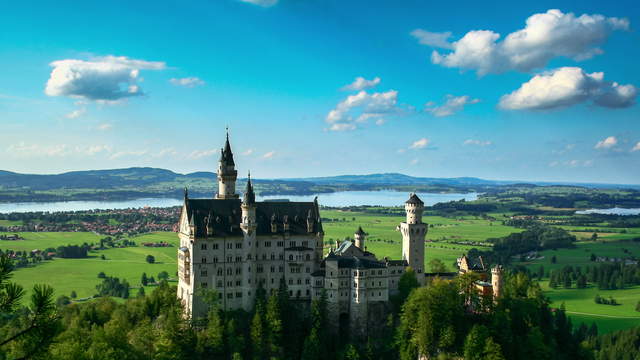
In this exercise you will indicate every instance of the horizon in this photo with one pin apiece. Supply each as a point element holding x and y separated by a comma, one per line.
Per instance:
<point>514,181</point>
<point>325,88</point>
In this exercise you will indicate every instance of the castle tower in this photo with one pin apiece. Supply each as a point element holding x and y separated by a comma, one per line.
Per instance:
<point>248,226</point>
<point>359,236</point>
<point>497,281</point>
<point>227,173</point>
<point>413,235</point>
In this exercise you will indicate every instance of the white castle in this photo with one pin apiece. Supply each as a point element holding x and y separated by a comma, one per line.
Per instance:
<point>234,246</point>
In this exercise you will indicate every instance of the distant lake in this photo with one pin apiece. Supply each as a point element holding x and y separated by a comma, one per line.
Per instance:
<point>342,198</point>
<point>612,211</point>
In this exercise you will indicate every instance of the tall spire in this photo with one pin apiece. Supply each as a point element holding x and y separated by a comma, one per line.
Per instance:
<point>249,197</point>
<point>227,173</point>
<point>226,156</point>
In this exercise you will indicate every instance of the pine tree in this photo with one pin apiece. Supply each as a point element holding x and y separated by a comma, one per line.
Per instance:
<point>273,319</point>
<point>144,280</point>
<point>475,342</point>
<point>492,351</point>
<point>258,335</point>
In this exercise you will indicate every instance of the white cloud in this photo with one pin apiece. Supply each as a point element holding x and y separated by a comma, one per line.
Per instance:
<point>477,142</point>
<point>572,163</point>
<point>95,149</point>
<point>76,113</point>
<point>165,152</point>
<point>607,143</point>
<point>636,147</point>
<point>433,39</point>
<point>420,144</point>
<point>568,86</point>
<point>198,154</point>
<point>104,79</point>
<point>545,36</point>
<point>263,3</point>
<point>361,107</point>
<point>567,148</point>
<point>187,82</point>
<point>414,162</point>
<point>247,152</point>
<point>105,127</point>
<point>135,153</point>
<point>269,155</point>
<point>361,83</point>
<point>453,105</point>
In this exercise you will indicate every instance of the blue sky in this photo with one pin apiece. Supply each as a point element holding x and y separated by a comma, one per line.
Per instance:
<point>98,85</point>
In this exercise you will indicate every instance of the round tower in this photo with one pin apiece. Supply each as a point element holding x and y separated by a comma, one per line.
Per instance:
<point>497,281</point>
<point>227,174</point>
<point>414,232</point>
<point>414,208</point>
<point>248,207</point>
<point>359,237</point>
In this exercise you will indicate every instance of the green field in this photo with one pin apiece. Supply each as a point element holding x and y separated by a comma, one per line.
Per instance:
<point>65,275</point>
<point>579,303</point>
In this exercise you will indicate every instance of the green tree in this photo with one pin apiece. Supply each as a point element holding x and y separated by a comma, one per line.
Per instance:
<point>258,335</point>
<point>273,318</point>
<point>475,342</point>
<point>73,294</point>
<point>163,275</point>
<point>492,351</point>
<point>150,259</point>
<point>407,283</point>
<point>141,292</point>
<point>144,280</point>
<point>437,266</point>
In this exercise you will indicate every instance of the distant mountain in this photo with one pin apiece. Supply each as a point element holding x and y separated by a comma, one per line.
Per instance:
<point>140,182</point>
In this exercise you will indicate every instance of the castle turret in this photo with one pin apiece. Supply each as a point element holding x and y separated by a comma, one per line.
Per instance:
<point>497,281</point>
<point>359,237</point>
<point>413,236</point>
<point>227,173</point>
<point>249,208</point>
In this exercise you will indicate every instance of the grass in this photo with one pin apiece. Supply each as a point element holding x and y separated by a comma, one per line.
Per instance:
<point>579,303</point>
<point>65,275</point>
<point>10,222</point>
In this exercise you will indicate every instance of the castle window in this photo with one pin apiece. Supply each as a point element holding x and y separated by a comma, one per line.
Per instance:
<point>259,269</point>
<point>273,256</point>
<point>290,257</point>
<point>238,258</point>
<point>308,270</point>
<point>203,246</point>
<point>299,281</point>
<point>229,259</point>
<point>292,243</point>
<point>290,281</point>
<point>229,246</point>
<point>273,269</point>
<point>238,283</point>
<point>280,243</point>
<point>267,244</point>
<point>239,245</point>
<point>305,243</point>
<point>215,246</point>
<point>272,280</point>
<point>203,272</point>
<point>230,296</point>
<point>248,293</point>
<point>204,260</point>
<point>280,269</point>
<point>229,271</point>
<point>264,256</point>
<point>308,257</point>
<point>307,281</point>
<point>248,256</point>
<point>281,256</point>
<point>229,283</point>
<point>219,283</point>
<point>204,284</point>
<point>238,294</point>
<point>215,259</point>
<point>238,271</point>
<point>220,272</point>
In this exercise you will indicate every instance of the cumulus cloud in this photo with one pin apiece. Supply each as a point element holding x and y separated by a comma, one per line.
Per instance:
<point>247,152</point>
<point>453,105</point>
<point>263,3</point>
<point>187,82</point>
<point>433,39</point>
<point>544,37</point>
<point>129,153</point>
<point>636,147</point>
<point>361,83</point>
<point>607,143</point>
<point>477,142</point>
<point>76,113</point>
<point>96,149</point>
<point>105,127</point>
<point>572,163</point>
<point>103,79</point>
<point>198,154</point>
<point>361,107</point>
<point>568,86</point>
<point>269,155</point>
<point>419,144</point>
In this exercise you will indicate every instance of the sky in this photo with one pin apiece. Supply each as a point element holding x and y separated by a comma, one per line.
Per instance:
<point>531,91</point>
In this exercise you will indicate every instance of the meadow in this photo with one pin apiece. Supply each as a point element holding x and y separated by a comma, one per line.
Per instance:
<point>579,303</point>
<point>81,275</point>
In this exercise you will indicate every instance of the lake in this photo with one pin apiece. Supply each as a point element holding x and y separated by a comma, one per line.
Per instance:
<point>342,198</point>
<point>612,211</point>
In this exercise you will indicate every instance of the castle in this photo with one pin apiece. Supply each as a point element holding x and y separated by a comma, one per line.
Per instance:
<point>234,246</point>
